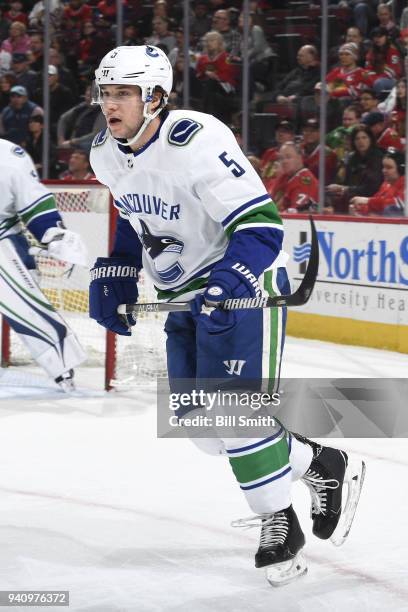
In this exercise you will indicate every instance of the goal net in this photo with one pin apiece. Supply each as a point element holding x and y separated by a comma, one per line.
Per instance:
<point>86,208</point>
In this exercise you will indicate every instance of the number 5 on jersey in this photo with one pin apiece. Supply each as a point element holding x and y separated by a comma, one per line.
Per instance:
<point>237,170</point>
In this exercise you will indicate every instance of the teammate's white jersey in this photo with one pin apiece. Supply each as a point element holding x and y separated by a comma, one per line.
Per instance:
<point>23,197</point>
<point>182,208</point>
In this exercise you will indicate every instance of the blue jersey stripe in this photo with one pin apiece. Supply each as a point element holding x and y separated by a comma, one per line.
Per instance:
<point>239,210</point>
<point>264,482</point>
<point>256,444</point>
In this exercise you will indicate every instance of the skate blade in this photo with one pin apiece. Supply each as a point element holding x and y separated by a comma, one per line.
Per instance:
<point>354,481</point>
<point>283,573</point>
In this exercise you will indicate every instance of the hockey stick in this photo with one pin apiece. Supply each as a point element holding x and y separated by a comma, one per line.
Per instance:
<point>298,298</point>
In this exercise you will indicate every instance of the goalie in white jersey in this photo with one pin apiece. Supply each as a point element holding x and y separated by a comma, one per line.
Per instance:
<point>195,215</point>
<point>26,202</point>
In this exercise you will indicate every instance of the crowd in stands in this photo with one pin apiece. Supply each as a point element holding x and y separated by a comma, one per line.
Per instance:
<point>365,87</point>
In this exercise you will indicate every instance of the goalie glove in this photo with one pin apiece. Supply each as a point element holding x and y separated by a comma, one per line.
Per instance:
<point>62,244</point>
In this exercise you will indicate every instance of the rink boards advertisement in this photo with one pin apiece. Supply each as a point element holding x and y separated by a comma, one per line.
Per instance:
<point>361,294</point>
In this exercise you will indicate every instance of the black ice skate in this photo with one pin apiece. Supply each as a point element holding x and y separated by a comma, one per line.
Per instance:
<point>332,511</point>
<point>280,545</point>
<point>66,381</point>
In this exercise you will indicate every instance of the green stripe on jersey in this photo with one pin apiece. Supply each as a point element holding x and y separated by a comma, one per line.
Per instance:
<point>196,284</point>
<point>260,463</point>
<point>40,208</point>
<point>267,213</point>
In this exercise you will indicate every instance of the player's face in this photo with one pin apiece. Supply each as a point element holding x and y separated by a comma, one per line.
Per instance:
<point>390,171</point>
<point>123,108</point>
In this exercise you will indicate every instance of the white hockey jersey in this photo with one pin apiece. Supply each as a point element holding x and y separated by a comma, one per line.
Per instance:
<point>184,193</point>
<point>23,197</point>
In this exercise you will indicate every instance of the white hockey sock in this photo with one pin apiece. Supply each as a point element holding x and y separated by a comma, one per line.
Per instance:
<point>300,457</point>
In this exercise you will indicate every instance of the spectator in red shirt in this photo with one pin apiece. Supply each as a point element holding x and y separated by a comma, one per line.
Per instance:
<point>348,79</point>
<point>218,78</point>
<point>269,166</point>
<point>78,12</point>
<point>107,9</point>
<point>79,168</point>
<point>389,199</point>
<point>385,136</point>
<point>15,13</point>
<point>311,151</point>
<point>383,61</point>
<point>297,189</point>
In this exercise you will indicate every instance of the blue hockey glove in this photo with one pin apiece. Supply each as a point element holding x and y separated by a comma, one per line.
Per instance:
<point>113,282</point>
<point>234,282</point>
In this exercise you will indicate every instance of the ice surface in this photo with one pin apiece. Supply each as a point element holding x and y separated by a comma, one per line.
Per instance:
<point>92,502</point>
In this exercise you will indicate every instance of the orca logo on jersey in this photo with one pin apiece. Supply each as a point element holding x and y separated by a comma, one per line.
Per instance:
<point>161,249</point>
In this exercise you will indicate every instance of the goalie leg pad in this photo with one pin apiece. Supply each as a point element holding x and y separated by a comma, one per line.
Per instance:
<point>50,341</point>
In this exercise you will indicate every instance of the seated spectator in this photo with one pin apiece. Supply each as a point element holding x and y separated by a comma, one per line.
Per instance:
<point>37,50</point>
<point>311,151</point>
<point>384,15</point>
<point>36,16</point>
<point>259,52</point>
<point>5,61</point>
<point>383,61</point>
<point>353,35</point>
<point>61,98</point>
<point>34,146</point>
<point>309,108</point>
<point>15,13</point>
<point>297,189</point>
<point>221,23</point>
<point>7,81</point>
<point>362,173</point>
<point>107,10</point>
<point>385,136</point>
<point>24,75</point>
<point>131,36</point>
<point>301,80</point>
<point>18,40</point>
<point>389,199</point>
<point>368,101</point>
<point>269,163</point>
<point>16,115</point>
<point>161,34</point>
<point>348,79</point>
<point>65,75</point>
<point>339,138</point>
<point>394,106</point>
<point>200,22</point>
<point>78,126</point>
<point>363,13</point>
<point>79,168</point>
<point>218,78</point>
<point>77,11</point>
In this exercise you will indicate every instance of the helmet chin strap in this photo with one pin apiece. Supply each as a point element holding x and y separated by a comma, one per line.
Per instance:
<point>148,117</point>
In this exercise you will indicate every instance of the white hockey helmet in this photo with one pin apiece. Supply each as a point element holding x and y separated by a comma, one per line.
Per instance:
<point>145,66</point>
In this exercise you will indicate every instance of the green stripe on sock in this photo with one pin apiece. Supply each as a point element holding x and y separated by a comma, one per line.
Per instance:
<point>274,329</point>
<point>260,463</point>
<point>42,207</point>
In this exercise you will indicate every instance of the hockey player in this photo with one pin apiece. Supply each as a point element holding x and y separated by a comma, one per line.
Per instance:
<point>195,215</point>
<point>26,202</point>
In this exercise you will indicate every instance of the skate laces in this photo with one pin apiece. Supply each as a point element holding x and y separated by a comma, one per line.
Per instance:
<point>274,527</point>
<point>318,486</point>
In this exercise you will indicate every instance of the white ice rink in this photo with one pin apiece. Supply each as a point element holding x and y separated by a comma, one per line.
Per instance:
<point>92,502</point>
